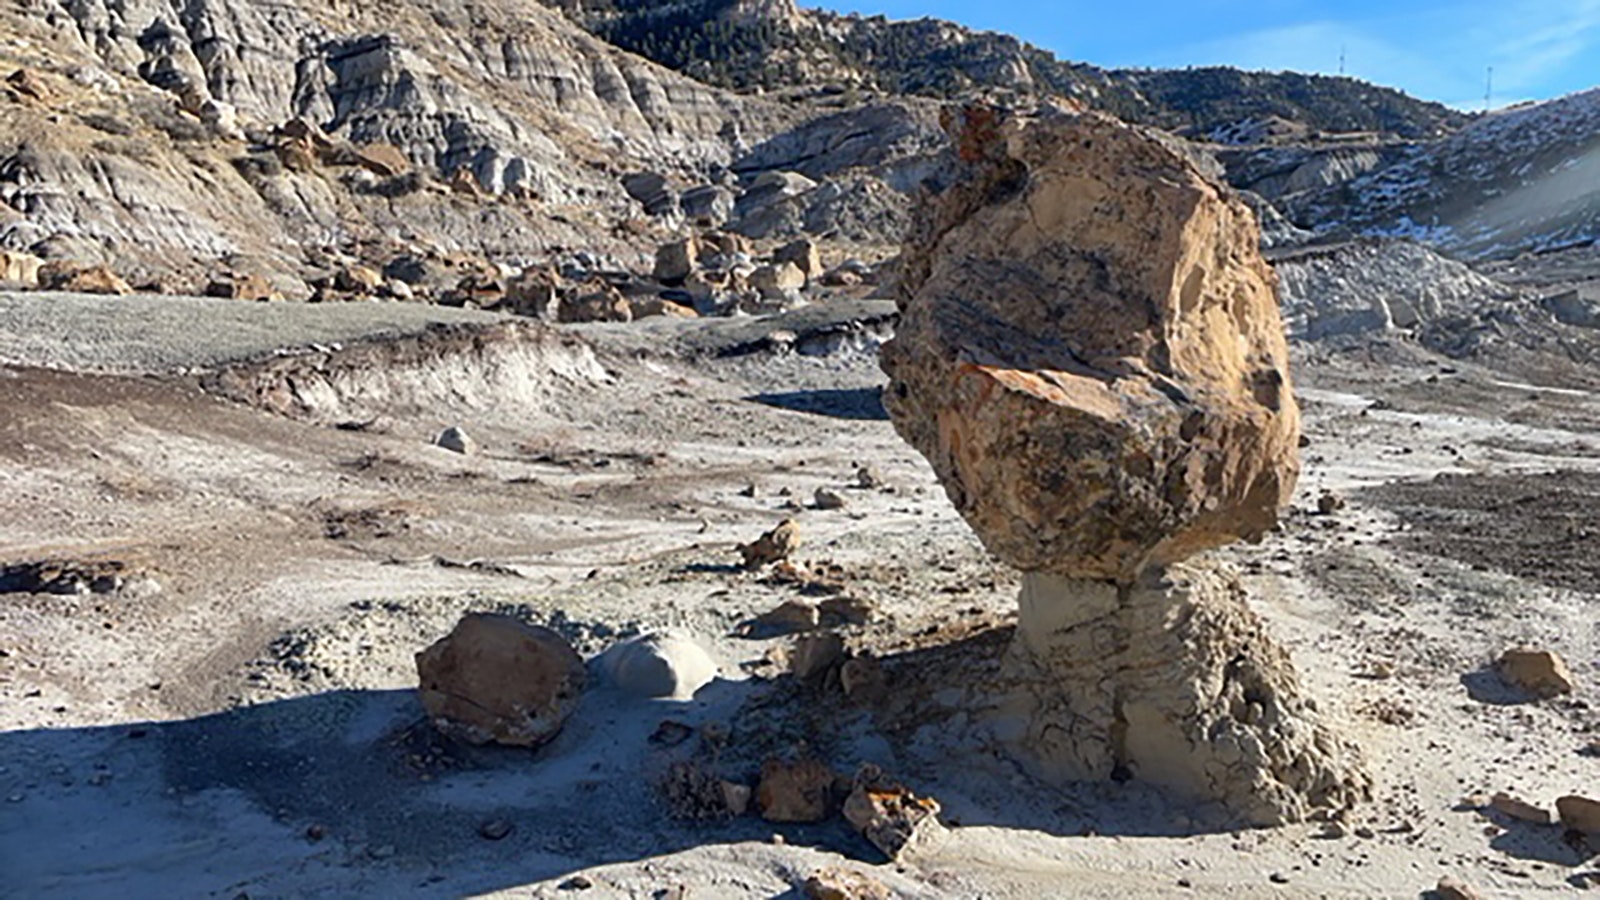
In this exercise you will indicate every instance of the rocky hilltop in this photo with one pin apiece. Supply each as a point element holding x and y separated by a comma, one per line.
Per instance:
<point>773,44</point>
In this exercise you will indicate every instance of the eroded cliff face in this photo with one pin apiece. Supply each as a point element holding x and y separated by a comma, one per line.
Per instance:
<point>154,143</point>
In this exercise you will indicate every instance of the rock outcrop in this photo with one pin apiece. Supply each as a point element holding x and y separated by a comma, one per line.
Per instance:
<point>497,679</point>
<point>1090,355</point>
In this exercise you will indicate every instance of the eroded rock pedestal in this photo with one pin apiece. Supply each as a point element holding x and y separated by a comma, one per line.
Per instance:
<point>1091,357</point>
<point>1174,681</point>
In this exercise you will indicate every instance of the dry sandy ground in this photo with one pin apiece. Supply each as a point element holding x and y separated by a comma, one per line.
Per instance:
<point>236,719</point>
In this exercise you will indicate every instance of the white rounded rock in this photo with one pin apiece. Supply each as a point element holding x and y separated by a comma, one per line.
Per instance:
<point>663,664</point>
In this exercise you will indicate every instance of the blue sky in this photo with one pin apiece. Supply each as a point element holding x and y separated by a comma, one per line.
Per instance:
<point>1435,50</point>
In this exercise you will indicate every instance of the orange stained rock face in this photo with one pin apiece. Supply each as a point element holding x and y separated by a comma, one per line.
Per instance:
<point>1090,353</point>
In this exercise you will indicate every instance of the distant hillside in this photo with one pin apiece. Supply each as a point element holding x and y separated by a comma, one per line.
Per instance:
<point>768,44</point>
<point>1519,180</point>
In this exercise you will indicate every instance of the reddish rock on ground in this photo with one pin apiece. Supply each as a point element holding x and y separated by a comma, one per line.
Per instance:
<point>498,679</point>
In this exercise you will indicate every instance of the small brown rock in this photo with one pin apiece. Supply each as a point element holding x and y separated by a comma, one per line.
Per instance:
<point>1452,888</point>
<point>1329,503</point>
<point>671,733</point>
<point>382,160</point>
<point>358,280</point>
<point>827,498</point>
<point>693,792</point>
<point>848,610</point>
<point>464,182</point>
<point>894,819</point>
<point>814,655</point>
<point>804,254</point>
<point>242,286</point>
<point>28,83</point>
<point>496,678</point>
<point>776,280</point>
<point>78,279</point>
<point>799,790</point>
<point>1539,673</point>
<point>863,679</point>
<point>20,268</point>
<point>792,616</point>
<point>774,546</point>
<point>868,478</point>
<point>1580,814</point>
<point>1520,809</point>
<point>599,302</point>
<point>495,829</point>
<point>841,278</point>
<point>676,260</point>
<point>659,306</point>
<point>843,884</point>
<point>535,293</point>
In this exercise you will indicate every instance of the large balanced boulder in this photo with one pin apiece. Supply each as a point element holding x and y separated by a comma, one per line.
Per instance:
<point>498,679</point>
<point>1090,356</point>
<point>1090,353</point>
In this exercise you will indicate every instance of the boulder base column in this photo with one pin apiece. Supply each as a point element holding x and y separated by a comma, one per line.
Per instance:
<point>1174,681</point>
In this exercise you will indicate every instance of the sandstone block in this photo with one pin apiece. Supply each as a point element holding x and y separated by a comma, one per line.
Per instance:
<point>774,546</point>
<point>1580,814</point>
<point>804,254</point>
<point>79,279</point>
<point>676,260</point>
<point>498,679</point>
<point>843,884</point>
<point>1090,353</point>
<point>1539,673</point>
<point>894,819</point>
<point>20,268</point>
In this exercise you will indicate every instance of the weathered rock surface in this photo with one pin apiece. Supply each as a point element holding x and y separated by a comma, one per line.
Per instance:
<point>1091,356</point>
<point>795,790</point>
<point>665,665</point>
<point>1371,287</point>
<point>78,279</point>
<point>1453,888</point>
<point>1520,810</point>
<point>1541,674</point>
<point>1175,681</point>
<point>843,884</point>
<point>1580,814</point>
<point>896,821</point>
<point>456,440</point>
<point>774,546</point>
<point>498,679</point>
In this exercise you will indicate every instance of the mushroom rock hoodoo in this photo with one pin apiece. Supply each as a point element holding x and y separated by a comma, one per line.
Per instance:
<point>1090,356</point>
